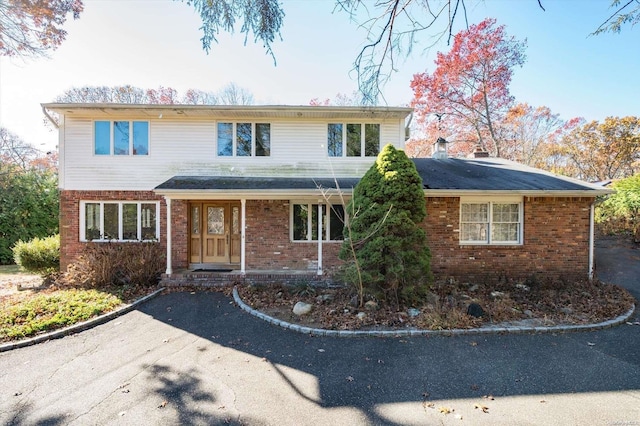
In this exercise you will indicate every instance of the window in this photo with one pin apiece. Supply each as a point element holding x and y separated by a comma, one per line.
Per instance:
<point>244,139</point>
<point>121,138</point>
<point>353,140</point>
<point>494,222</point>
<point>304,219</point>
<point>119,221</point>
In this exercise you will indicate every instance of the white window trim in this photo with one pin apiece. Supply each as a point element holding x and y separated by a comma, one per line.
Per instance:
<point>362,139</point>
<point>491,201</point>
<point>234,139</point>
<point>112,136</point>
<point>325,219</point>
<point>139,203</point>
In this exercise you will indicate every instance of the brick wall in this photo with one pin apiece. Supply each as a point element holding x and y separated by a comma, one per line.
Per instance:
<point>556,237</point>
<point>70,245</point>
<point>556,242</point>
<point>269,246</point>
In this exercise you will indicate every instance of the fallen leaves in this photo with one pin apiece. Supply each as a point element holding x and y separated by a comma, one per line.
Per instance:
<point>484,408</point>
<point>163,404</point>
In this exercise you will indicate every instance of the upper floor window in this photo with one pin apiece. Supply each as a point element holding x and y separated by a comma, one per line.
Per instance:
<point>353,140</point>
<point>119,220</point>
<point>304,218</point>
<point>492,222</point>
<point>244,139</point>
<point>121,138</point>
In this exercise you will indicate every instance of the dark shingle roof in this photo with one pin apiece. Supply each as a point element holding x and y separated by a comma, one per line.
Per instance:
<point>442,175</point>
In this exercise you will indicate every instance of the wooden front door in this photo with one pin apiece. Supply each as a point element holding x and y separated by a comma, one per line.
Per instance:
<point>215,233</point>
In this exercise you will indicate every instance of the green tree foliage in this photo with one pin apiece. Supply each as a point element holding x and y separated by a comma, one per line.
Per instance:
<point>28,206</point>
<point>40,255</point>
<point>385,214</point>
<point>621,210</point>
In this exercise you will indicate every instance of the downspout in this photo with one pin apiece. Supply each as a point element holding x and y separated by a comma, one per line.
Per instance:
<point>592,211</point>
<point>243,243</point>
<point>46,113</point>
<point>320,237</point>
<point>169,270</point>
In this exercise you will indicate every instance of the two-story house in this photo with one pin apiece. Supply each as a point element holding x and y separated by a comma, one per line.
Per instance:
<point>254,190</point>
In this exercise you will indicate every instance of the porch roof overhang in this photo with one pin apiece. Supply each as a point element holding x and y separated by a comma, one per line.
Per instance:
<point>259,188</point>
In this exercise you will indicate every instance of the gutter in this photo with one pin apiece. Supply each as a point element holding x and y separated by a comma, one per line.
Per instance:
<point>46,113</point>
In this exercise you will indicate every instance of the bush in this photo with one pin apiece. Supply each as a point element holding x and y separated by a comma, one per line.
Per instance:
<point>385,213</point>
<point>620,212</point>
<point>116,264</point>
<point>40,255</point>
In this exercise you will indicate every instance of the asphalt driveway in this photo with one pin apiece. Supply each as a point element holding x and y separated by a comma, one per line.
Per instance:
<point>197,359</point>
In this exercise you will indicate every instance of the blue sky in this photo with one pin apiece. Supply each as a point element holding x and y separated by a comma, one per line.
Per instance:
<point>148,43</point>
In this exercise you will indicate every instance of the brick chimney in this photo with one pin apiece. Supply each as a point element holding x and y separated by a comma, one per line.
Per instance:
<point>479,152</point>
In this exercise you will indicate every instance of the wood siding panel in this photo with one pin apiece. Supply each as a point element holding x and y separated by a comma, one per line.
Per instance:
<point>188,147</point>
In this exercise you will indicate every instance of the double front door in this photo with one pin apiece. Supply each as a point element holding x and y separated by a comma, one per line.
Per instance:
<point>215,233</point>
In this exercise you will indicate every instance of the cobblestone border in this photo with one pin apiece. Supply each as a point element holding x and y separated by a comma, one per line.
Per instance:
<point>414,332</point>
<point>81,326</point>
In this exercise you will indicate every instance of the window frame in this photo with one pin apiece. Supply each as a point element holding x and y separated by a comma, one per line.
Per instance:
<point>491,203</point>
<point>131,148</point>
<point>120,204</point>
<point>312,207</point>
<point>234,139</point>
<point>345,139</point>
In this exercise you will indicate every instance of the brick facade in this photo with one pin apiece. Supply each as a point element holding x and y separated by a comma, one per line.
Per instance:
<point>556,237</point>
<point>556,242</point>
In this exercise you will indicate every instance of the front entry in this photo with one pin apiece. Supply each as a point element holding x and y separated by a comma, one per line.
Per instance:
<point>215,233</point>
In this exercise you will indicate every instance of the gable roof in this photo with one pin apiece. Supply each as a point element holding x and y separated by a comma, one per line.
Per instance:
<point>441,177</point>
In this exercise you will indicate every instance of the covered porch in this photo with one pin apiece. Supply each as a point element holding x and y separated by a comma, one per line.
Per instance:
<point>221,241</point>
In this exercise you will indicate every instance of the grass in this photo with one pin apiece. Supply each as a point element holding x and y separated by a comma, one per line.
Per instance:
<point>27,315</point>
<point>12,270</point>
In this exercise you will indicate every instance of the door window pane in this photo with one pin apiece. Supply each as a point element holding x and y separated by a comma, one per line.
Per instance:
<point>235,220</point>
<point>102,138</point>
<point>195,220</point>
<point>263,139</point>
<point>243,139</point>
<point>225,139</point>
<point>111,221</point>
<point>129,221</point>
<point>354,145</point>
<point>140,138</point>
<point>215,220</point>
<point>334,140</point>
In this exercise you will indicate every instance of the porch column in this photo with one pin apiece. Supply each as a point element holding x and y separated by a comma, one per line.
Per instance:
<point>320,236</point>
<point>169,269</point>
<point>243,213</point>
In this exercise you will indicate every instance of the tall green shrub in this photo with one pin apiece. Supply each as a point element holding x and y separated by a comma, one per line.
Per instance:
<point>389,246</point>
<point>28,207</point>
<point>40,255</point>
<point>621,210</point>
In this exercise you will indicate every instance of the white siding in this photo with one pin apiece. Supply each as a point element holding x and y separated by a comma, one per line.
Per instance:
<point>188,147</point>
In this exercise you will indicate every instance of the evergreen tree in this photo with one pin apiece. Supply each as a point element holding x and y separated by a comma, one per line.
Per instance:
<point>384,232</point>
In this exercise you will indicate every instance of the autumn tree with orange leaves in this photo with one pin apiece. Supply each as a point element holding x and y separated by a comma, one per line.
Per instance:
<point>468,91</point>
<point>31,28</point>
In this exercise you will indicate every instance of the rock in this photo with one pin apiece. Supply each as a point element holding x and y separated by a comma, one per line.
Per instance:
<point>371,305</point>
<point>528,313</point>
<point>413,312</point>
<point>497,294</point>
<point>361,316</point>
<point>279,295</point>
<point>324,298</point>
<point>355,301</point>
<point>566,310</point>
<point>474,288</point>
<point>475,310</point>
<point>523,287</point>
<point>302,308</point>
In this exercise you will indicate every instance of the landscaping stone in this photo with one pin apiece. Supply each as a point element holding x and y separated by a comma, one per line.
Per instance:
<point>361,316</point>
<point>497,294</point>
<point>475,310</point>
<point>371,305</point>
<point>322,298</point>
<point>302,308</point>
<point>413,312</point>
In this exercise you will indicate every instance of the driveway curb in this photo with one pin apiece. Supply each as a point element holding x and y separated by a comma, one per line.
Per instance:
<point>76,328</point>
<point>498,329</point>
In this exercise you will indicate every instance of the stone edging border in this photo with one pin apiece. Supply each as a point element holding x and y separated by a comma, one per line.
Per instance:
<point>407,333</point>
<point>81,326</point>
